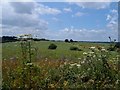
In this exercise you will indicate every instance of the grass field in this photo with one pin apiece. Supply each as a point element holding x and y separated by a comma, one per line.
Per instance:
<point>13,49</point>
<point>62,67</point>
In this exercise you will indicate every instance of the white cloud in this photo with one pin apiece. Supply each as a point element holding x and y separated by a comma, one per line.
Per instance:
<point>113,11</point>
<point>67,9</point>
<point>42,9</point>
<point>6,1</point>
<point>79,14</point>
<point>108,17</point>
<point>91,0</point>
<point>60,1</point>
<point>81,34</point>
<point>55,19</point>
<point>15,21</point>
<point>93,5</point>
<point>112,19</point>
<point>24,17</point>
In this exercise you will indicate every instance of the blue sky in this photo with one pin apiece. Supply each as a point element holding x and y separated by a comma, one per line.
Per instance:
<point>83,21</point>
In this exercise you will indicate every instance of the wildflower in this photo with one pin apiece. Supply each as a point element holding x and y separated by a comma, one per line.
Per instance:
<point>46,59</point>
<point>29,64</point>
<point>5,59</point>
<point>91,81</point>
<point>94,56</point>
<point>103,49</point>
<point>52,85</point>
<point>65,63</point>
<point>99,59</point>
<point>82,62</point>
<point>73,64</point>
<point>88,69</point>
<point>85,53</point>
<point>79,58</point>
<point>78,65</point>
<point>92,47</point>
<point>91,52</point>
<point>65,83</point>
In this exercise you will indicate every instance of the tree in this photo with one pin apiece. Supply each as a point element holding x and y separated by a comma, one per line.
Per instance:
<point>71,40</point>
<point>66,40</point>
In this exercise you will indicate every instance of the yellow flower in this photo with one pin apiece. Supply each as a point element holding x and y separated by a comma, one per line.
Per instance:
<point>52,85</point>
<point>65,83</point>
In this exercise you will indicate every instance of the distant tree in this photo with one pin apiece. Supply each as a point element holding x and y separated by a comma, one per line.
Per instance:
<point>66,40</point>
<point>71,40</point>
<point>9,39</point>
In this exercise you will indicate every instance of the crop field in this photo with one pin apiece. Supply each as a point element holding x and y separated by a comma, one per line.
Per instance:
<point>36,66</point>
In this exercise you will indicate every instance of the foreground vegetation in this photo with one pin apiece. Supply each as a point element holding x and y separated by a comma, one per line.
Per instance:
<point>91,66</point>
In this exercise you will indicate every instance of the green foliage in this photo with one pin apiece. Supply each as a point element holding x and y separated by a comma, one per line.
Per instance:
<point>75,48</point>
<point>52,46</point>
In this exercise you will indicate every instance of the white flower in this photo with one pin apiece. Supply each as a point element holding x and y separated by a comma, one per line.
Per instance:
<point>117,82</point>
<point>78,65</point>
<point>79,58</point>
<point>74,64</point>
<point>92,47</point>
<point>103,49</point>
<point>94,56</point>
<point>29,64</point>
<point>85,53</point>
<point>5,59</point>
<point>82,62</point>
<point>99,59</point>
<point>88,69</point>
<point>91,52</point>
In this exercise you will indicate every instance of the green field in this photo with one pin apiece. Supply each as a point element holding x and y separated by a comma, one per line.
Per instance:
<point>92,67</point>
<point>10,50</point>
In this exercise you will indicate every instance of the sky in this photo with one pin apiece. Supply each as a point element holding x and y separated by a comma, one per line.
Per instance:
<point>82,21</point>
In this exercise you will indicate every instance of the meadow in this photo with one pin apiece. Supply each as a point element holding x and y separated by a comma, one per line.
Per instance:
<point>92,67</point>
<point>13,49</point>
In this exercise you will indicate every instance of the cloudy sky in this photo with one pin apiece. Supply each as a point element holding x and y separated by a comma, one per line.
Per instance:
<point>94,21</point>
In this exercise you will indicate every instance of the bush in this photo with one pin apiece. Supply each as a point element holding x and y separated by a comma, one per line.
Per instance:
<point>117,45</point>
<point>75,48</point>
<point>52,46</point>
<point>111,49</point>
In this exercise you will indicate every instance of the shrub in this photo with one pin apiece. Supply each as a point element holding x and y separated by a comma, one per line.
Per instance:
<point>52,46</point>
<point>117,45</point>
<point>111,49</point>
<point>75,48</point>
